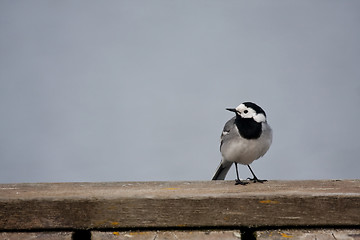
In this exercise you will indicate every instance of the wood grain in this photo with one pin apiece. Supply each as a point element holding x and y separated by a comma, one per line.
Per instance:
<point>177,205</point>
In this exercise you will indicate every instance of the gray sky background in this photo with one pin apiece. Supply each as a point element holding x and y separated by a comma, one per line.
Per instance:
<point>137,90</point>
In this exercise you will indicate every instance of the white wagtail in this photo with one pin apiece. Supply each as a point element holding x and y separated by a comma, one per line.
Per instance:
<point>245,138</point>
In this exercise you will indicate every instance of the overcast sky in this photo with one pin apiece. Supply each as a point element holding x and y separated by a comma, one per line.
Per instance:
<point>137,90</point>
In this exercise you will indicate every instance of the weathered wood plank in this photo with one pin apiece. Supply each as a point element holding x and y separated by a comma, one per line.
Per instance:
<point>36,235</point>
<point>325,234</point>
<point>167,235</point>
<point>179,204</point>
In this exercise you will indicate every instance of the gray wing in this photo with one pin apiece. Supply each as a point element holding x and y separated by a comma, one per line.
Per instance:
<point>229,125</point>
<point>224,167</point>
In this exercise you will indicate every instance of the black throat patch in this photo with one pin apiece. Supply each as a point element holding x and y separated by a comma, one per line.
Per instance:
<point>248,127</point>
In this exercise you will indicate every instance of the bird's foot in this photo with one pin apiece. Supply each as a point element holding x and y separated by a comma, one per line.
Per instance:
<point>255,180</point>
<point>239,182</point>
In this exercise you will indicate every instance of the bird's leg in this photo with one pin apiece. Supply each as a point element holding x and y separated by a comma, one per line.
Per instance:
<point>237,180</point>
<point>255,179</point>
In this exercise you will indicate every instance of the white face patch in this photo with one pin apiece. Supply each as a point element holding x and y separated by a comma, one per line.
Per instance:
<point>240,108</point>
<point>260,118</point>
<point>248,112</point>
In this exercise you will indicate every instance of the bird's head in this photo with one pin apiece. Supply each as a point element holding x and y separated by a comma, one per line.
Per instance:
<point>249,110</point>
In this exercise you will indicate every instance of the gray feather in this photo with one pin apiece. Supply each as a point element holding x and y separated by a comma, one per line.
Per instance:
<point>222,170</point>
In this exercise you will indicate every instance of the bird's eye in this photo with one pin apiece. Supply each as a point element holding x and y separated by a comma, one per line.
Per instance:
<point>246,111</point>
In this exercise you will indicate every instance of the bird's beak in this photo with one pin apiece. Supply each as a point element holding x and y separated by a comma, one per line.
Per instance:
<point>231,110</point>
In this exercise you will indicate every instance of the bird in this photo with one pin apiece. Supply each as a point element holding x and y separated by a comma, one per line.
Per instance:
<point>245,138</point>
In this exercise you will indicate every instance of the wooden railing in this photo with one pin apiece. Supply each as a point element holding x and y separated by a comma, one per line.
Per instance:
<point>181,210</point>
